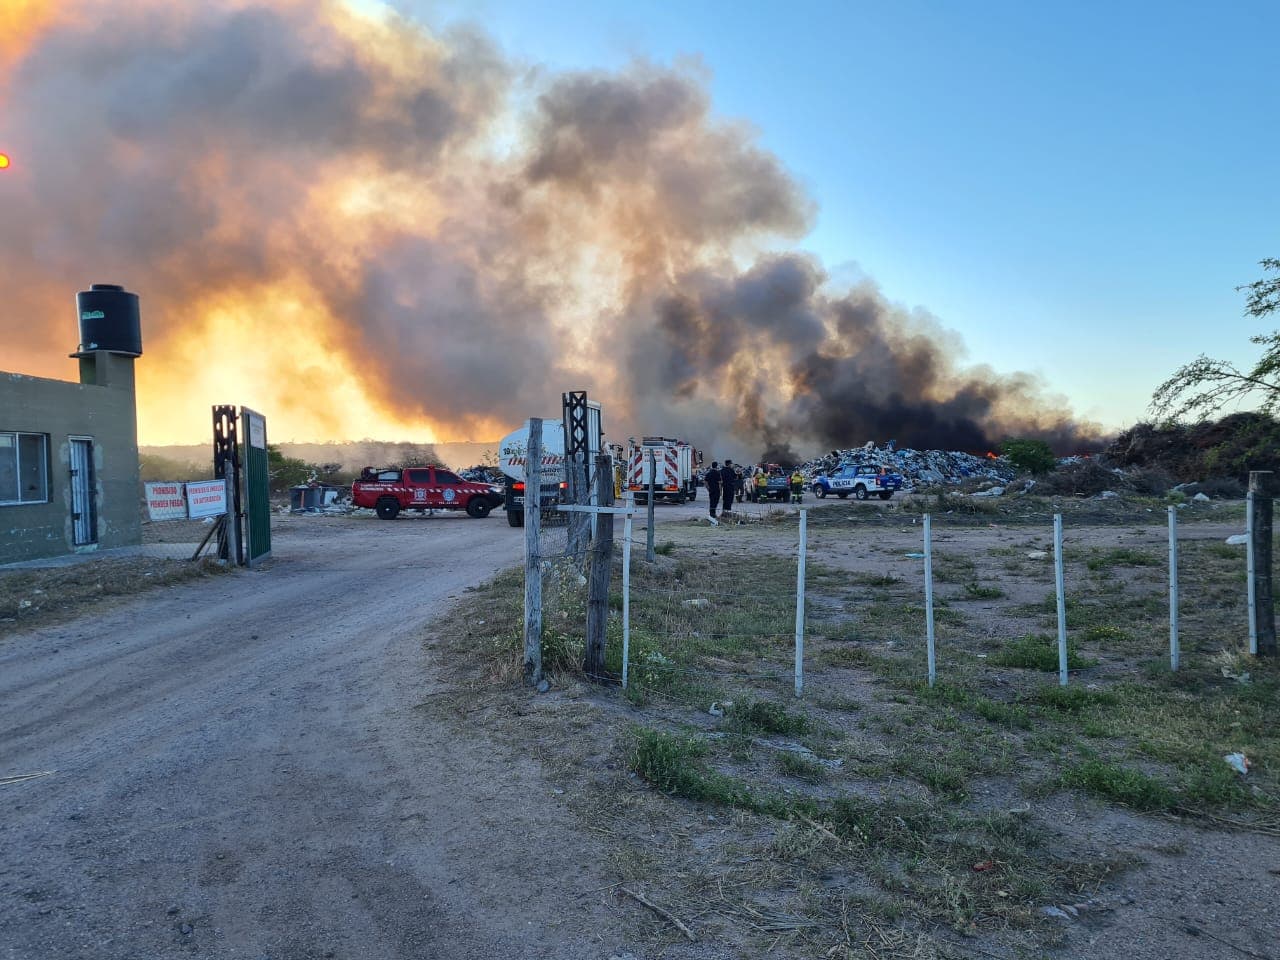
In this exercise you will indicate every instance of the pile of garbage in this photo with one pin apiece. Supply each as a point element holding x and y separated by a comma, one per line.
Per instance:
<point>483,474</point>
<point>918,467</point>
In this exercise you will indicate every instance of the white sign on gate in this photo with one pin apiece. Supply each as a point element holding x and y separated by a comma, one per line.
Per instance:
<point>206,498</point>
<point>165,501</point>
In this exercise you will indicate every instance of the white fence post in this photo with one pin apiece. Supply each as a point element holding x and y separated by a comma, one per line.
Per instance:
<point>629,503</point>
<point>804,545</point>
<point>1062,599</point>
<point>930,640</point>
<point>1173,589</point>
<point>1253,586</point>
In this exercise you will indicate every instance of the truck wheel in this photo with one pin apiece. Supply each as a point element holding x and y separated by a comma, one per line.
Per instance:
<point>388,509</point>
<point>860,492</point>
<point>515,518</point>
<point>478,507</point>
<point>819,491</point>
<point>886,494</point>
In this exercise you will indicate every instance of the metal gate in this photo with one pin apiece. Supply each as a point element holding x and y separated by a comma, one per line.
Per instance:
<point>84,504</point>
<point>257,486</point>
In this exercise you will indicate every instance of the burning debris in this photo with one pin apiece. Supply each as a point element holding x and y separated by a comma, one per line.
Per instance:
<point>918,467</point>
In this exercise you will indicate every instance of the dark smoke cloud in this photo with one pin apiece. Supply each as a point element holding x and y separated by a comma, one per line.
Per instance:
<point>616,235</point>
<point>834,371</point>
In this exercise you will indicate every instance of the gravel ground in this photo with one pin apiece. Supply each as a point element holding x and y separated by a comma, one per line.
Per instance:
<point>238,767</point>
<point>238,770</point>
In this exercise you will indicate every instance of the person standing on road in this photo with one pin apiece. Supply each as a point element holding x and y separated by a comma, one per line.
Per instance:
<point>712,480</point>
<point>797,486</point>
<point>728,478</point>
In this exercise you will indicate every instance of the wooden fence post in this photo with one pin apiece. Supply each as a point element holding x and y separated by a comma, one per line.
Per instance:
<point>601,572</point>
<point>532,555</point>
<point>1262,486</point>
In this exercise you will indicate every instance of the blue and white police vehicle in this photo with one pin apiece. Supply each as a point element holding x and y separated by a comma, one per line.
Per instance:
<point>862,481</point>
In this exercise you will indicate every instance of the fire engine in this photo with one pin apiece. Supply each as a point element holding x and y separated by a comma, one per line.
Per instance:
<point>675,463</point>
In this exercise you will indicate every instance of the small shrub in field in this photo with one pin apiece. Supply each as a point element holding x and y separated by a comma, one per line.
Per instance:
<point>1070,699</point>
<point>1037,652</point>
<point>673,764</point>
<point>767,717</point>
<point>1121,557</point>
<point>1034,456</point>
<point>801,767</point>
<point>1133,788</point>
<point>666,548</point>
<point>976,591</point>
<point>1105,633</point>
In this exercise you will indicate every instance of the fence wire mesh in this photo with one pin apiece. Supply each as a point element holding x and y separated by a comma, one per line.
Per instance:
<point>995,598</point>
<point>717,608</point>
<point>700,617</point>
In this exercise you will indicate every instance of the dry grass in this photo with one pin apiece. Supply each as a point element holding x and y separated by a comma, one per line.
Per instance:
<point>30,598</point>
<point>881,817</point>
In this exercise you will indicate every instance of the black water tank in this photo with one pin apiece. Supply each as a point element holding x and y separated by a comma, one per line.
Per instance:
<point>109,320</point>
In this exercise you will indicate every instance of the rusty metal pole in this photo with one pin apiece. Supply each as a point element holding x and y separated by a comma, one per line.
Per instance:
<point>1262,487</point>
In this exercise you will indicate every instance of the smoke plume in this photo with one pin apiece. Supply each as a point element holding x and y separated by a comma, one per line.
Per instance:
<point>360,227</point>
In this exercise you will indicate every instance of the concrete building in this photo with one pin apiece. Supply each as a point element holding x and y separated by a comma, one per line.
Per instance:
<point>69,454</point>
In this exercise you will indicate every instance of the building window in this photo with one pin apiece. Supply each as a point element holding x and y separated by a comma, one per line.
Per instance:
<point>24,468</point>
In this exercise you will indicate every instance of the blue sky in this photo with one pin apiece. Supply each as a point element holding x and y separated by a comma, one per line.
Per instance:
<point>1076,189</point>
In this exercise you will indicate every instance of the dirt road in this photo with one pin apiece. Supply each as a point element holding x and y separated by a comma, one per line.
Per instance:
<point>239,771</point>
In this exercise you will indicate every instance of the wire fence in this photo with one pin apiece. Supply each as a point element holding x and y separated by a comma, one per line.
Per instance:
<point>925,597</point>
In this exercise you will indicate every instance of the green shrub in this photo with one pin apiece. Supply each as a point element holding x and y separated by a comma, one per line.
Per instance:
<point>1033,456</point>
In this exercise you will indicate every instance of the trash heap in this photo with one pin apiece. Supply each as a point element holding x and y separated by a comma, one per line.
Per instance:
<point>918,467</point>
<point>483,474</point>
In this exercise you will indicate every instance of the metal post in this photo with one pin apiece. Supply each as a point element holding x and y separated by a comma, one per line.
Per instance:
<point>804,546</point>
<point>1062,600</point>
<point>233,517</point>
<point>930,638</point>
<point>626,592</point>
<point>1253,587</point>
<point>1173,588</point>
<point>1261,485</point>
<point>532,560</point>
<point>601,571</point>
<point>653,488</point>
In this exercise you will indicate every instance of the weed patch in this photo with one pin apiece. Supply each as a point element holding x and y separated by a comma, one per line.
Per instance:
<point>1123,785</point>
<point>1120,557</point>
<point>1038,652</point>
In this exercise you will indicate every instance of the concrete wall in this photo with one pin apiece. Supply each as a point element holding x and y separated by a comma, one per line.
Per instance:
<point>101,407</point>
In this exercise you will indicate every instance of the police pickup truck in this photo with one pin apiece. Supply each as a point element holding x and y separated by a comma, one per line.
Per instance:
<point>861,481</point>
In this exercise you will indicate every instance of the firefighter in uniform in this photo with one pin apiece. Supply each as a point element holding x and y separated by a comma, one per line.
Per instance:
<point>797,485</point>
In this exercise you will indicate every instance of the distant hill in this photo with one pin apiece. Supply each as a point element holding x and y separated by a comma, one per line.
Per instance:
<point>188,461</point>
